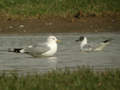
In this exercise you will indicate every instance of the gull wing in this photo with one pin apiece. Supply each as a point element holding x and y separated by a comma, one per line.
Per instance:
<point>36,49</point>
<point>87,47</point>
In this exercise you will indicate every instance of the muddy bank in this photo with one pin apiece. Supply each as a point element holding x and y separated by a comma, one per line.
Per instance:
<point>59,25</point>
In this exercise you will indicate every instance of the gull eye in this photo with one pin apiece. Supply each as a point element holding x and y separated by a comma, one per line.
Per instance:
<point>81,38</point>
<point>53,38</point>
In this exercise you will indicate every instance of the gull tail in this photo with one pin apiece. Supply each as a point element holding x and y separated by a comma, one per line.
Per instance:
<point>107,40</point>
<point>103,44</point>
<point>16,50</point>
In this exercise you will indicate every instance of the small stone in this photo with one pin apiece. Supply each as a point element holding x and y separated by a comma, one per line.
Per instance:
<point>21,26</point>
<point>10,27</point>
<point>113,21</point>
<point>49,23</point>
<point>24,30</point>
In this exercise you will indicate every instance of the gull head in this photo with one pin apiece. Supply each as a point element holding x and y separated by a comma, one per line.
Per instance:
<point>82,40</point>
<point>52,39</point>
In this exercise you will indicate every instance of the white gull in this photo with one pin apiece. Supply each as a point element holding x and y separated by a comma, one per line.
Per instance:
<point>84,46</point>
<point>48,48</point>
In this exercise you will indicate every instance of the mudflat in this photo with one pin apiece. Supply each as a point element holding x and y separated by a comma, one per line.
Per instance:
<point>59,25</point>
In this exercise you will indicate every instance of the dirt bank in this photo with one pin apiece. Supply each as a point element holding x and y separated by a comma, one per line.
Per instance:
<point>83,24</point>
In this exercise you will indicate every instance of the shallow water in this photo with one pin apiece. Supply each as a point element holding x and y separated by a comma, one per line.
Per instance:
<point>68,54</point>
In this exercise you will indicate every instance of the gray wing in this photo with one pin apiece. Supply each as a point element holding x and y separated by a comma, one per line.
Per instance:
<point>93,45</point>
<point>37,49</point>
<point>87,47</point>
<point>90,47</point>
<point>97,46</point>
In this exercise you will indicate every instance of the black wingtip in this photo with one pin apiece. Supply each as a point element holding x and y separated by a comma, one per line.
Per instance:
<point>108,40</point>
<point>16,50</point>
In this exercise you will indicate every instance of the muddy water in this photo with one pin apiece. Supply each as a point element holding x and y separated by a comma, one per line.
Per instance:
<point>68,54</point>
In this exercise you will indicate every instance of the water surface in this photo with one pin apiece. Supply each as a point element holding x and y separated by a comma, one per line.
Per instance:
<point>68,54</point>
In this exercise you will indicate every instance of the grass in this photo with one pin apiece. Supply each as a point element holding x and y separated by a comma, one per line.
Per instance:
<point>80,79</point>
<point>62,8</point>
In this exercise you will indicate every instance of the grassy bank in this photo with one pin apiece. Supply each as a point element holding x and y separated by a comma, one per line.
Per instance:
<point>81,79</point>
<point>62,8</point>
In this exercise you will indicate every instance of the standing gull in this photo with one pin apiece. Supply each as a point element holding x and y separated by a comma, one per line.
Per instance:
<point>84,46</point>
<point>49,48</point>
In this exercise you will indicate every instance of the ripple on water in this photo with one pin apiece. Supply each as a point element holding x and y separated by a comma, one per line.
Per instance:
<point>68,54</point>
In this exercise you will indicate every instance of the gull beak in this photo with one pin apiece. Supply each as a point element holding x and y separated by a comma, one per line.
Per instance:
<point>77,40</point>
<point>58,41</point>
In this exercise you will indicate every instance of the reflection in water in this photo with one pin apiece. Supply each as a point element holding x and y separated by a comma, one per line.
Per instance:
<point>68,54</point>
<point>52,61</point>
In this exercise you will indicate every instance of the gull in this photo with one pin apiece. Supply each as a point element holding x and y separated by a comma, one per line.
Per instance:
<point>48,48</point>
<point>84,46</point>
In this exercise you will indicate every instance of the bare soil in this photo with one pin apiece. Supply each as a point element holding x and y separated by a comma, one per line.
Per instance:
<point>59,25</point>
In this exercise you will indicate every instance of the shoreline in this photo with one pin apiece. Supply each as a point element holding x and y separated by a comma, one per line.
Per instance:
<point>60,25</point>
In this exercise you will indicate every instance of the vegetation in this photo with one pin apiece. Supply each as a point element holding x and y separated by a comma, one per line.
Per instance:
<point>80,79</point>
<point>62,8</point>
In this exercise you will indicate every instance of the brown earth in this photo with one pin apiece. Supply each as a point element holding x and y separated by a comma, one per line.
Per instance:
<point>59,25</point>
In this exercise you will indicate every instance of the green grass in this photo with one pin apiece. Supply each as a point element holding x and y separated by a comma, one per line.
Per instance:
<point>60,8</point>
<point>80,79</point>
